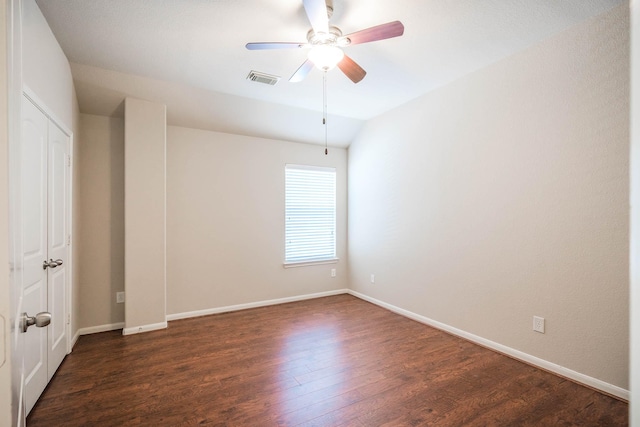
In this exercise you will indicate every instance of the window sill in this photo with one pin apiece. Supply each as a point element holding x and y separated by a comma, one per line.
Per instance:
<point>307,263</point>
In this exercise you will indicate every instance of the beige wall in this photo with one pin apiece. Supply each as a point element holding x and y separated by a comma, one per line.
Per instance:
<point>217,256</point>
<point>144,215</point>
<point>501,196</point>
<point>101,198</point>
<point>225,220</point>
<point>76,219</point>
<point>505,195</point>
<point>635,211</point>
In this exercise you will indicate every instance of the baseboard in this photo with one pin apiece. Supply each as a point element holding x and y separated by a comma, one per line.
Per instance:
<point>586,380</point>
<point>144,328</point>
<point>264,303</point>
<point>74,340</point>
<point>516,354</point>
<point>97,329</point>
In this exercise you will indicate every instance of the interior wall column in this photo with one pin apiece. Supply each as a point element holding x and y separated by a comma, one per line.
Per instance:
<point>634,262</point>
<point>145,216</point>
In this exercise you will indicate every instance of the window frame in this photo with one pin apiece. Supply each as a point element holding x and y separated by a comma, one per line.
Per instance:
<point>331,259</point>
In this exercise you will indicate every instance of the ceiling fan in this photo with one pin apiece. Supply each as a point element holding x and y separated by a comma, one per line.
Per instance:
<point>326,42</point>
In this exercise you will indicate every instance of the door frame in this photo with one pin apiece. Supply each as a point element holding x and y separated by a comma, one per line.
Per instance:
<point>14,117</point>
<point>33,97</point>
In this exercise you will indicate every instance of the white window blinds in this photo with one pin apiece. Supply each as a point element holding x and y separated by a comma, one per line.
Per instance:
<point>310,214</point>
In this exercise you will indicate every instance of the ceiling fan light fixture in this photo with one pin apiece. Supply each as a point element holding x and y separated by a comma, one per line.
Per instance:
<point>325,57</point>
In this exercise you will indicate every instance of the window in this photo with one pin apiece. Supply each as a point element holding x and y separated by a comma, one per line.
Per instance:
<point>310,214</point>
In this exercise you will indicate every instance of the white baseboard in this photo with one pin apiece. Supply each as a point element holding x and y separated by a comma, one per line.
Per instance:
<point>516,354</point>
<point>144,328</point>
<point>95,330</point>
<point>264,303</point>
<point>74,340</point>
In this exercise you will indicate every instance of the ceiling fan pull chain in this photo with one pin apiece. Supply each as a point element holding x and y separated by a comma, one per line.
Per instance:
<point>324,110</point>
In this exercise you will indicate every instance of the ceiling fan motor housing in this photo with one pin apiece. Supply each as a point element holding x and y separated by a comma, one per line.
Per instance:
<point>332,38</point>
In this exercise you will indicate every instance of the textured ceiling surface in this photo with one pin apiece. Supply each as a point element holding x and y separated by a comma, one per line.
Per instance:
<point>199,44</point>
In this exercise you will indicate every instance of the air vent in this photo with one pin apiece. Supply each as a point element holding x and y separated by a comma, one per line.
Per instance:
<point>263,78</point>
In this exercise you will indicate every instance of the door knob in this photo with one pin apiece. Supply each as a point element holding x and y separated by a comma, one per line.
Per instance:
<point>40,320</point>
<point>51,263</point>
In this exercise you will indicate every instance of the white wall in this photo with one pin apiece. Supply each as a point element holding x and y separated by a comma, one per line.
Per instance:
<point>101,92</point>
<point>46,70</point>
<point>225,220</point>
<point>505,195</point>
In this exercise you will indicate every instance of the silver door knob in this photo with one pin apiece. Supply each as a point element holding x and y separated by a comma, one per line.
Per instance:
<point>50,264</point>
<point>58,262</point>
<point>40,320</point>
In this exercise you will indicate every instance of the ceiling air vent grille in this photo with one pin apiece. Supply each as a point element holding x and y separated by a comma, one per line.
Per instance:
<point>263,78</point>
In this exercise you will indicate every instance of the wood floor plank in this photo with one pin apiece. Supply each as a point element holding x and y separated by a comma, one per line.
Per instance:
<point>335,361</point>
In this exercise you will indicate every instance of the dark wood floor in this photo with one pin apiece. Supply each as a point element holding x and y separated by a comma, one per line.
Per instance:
<point>335,361</point>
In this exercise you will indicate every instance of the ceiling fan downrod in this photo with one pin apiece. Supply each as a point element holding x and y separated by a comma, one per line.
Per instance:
<point>324,110</point>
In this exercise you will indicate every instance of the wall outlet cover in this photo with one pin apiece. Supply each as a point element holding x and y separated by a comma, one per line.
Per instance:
<point>538,324</point>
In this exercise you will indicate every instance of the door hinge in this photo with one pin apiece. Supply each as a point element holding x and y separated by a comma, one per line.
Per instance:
<point>68,318</point>
<point>68,160</point>
<point>69,240</point>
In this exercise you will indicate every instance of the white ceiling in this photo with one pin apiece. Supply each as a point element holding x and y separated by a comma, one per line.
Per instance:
<point>192,53</point>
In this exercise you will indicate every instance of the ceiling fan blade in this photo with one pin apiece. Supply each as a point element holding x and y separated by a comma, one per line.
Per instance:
<point>274,45</point>
<point>379,32</point>
<point>317,14</point>
<point>301,72</point>
<point>351,69</point>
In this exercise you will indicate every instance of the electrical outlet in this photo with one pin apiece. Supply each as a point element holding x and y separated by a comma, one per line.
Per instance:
<point>333,272</point>
<point>373,278</point>
<point>119,297</point>
<point>538,324</point>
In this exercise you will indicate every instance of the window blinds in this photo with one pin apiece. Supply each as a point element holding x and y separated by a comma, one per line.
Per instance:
<point>310,214</point>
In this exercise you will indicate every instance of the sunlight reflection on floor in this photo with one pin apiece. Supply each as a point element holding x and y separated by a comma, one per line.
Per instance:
<point>313,355</point>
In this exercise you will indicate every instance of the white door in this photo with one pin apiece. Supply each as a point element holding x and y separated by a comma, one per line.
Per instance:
<point>58,198</point>
<point>44,210</point>
<point>34,245</point>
